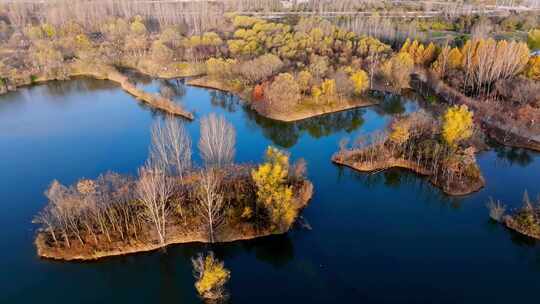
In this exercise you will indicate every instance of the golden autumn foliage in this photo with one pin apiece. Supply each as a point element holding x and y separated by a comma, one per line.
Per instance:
<point>211,276</point>
<point>220,69</point>
<point>137,26</point>
<point>420,53</point>
<point>325,92</point>
<point>49,30</point>
<point>369,46</point>
<point>488,60</point>
<point>273,192</point>
<point>449,58</point>
<point>533,39</point>
<point>400,132</point>
<point>397,70</point>
<point>304,79</point>
<point>457,124</point>
<point>454,58</point>
<point>532,70</point>
<point>360,80</point>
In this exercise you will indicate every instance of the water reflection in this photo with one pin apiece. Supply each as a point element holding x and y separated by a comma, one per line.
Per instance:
<point>510,156</point>
<point>172,88</point>
<point>402,179</point>
<point>226,101</point>
<point>286,134</point>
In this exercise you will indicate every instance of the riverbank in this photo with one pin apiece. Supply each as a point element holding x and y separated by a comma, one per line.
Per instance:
<point>492,122</point>
<point>177,234</point>
<point>305,108</point>
<point>104,72</point>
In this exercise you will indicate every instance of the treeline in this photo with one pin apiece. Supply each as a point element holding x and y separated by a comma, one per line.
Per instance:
<point>171,198</point>
<point>280,66</point>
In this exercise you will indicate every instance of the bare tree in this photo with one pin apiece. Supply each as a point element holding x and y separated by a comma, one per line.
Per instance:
<point>217,141</point>
<point>171,145</point>
<point>153,189</point>
<point>210,200</point>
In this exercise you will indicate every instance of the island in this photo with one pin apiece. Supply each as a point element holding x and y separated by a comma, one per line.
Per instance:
<point>171,202</point>
<point>524,220</point>
<point>441,150</point>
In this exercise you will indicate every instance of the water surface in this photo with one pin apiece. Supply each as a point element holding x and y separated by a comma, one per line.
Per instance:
<point>376,238</point>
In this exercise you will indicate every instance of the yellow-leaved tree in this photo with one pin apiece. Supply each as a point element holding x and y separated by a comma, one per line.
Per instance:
<point>532,70</point>
<point>211,276</point>
<point>533,39</point>
<point>457,124</point>
<point>360,81</point>
<point>273,191</point>
<point>399,132</point>
<point>420,53</point>
<point>397,70</point>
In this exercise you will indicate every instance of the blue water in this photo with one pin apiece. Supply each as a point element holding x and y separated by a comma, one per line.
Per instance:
<point>381,238</point>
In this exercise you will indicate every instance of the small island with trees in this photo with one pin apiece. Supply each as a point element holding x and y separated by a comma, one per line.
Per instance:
<point>524,220</point>
<point>171,202</point>
<point>418,142</point>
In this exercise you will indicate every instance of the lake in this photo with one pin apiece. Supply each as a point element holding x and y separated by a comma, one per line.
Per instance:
<point>389,237</point>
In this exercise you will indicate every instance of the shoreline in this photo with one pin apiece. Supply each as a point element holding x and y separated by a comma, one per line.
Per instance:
<point>176,236</point>
<point>511,224</point>
<point>110,73</point>
<point>503,134</point>
<point>380,166</point>
<point>298,113</point>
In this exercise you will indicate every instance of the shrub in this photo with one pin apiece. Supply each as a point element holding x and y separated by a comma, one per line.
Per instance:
<point>211,276</point>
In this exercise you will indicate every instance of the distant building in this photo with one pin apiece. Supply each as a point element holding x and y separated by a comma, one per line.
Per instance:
<point>290,3</point>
